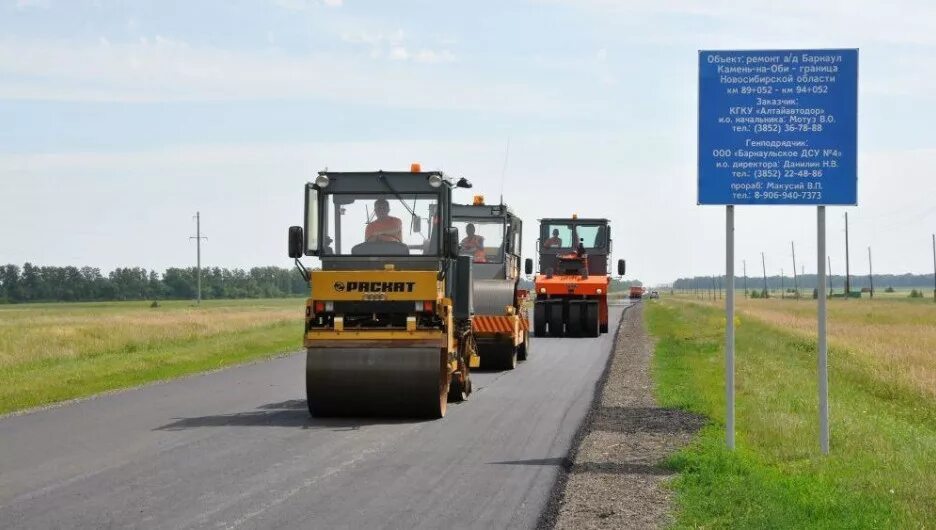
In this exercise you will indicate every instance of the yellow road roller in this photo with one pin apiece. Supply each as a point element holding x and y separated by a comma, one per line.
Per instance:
<point>491,235</point>
<point>388,323</point>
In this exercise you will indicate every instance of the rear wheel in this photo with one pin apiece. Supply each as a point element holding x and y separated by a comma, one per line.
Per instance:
<point>524,349</point>
<point>574,324</point>
<point>437,407</point>
<point>539,320</point>
<point>591,319</point>
<point>555,321</point>
<point>509,360</point>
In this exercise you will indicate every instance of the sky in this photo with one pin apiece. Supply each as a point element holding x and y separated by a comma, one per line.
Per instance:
<point>120,120</point>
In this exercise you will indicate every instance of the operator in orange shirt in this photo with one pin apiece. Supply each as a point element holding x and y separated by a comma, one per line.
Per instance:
<point>554,241</point>
<point>384,227</point>
<point>473,244</point>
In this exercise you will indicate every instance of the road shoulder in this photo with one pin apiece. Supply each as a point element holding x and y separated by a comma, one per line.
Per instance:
<point>615,478</point>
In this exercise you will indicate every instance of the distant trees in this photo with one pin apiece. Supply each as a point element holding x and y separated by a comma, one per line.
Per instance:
<point>73,284</point>
<point>808,281</point>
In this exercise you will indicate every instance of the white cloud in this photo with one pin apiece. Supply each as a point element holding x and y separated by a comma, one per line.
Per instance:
<point>797,23</point>
<point>32,4</point>
<point>303,5</point>
<point>393,46</point>
<point>162,69</point>
<point>399,53</point>
<point>432,56</point>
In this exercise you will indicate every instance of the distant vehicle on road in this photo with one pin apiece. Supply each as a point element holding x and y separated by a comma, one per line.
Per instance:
<point>636,292</point>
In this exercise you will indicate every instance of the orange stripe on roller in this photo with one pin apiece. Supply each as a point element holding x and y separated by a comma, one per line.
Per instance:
<point>492,324</point>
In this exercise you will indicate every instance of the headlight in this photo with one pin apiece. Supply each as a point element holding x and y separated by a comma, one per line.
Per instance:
<point>542,290</point>
<point>435,180</point>
<point>321,181</point>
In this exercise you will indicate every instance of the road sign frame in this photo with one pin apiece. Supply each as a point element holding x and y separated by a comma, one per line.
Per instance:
<point>790,178</point>
<point>791,142</point>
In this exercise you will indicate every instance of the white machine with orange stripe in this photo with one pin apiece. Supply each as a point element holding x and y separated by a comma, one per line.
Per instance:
<point>493,238</point>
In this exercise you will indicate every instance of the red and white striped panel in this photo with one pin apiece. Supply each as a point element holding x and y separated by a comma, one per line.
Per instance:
<point>492,324</point>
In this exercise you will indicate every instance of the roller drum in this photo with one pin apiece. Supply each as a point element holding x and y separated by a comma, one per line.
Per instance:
<point>390,381</point>
<point>491,297</point>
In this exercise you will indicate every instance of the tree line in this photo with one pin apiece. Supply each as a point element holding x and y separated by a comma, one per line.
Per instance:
<point>808,281</point>
<point>32,283</point>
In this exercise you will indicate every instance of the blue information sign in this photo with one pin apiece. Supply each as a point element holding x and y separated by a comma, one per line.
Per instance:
<point>778,127</point>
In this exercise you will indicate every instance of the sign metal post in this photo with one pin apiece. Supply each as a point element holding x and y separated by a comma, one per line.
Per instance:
<point>729,328</point>
<point>778,127</point>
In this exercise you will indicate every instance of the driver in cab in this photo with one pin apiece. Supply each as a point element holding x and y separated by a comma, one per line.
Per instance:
<point>473,244</point>
<point>384,227</point>
<point>553,242</point>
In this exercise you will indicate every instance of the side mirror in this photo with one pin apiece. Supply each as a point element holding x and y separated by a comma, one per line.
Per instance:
<point>528,267</point>
<point>452,245</point>
<point>295,242</point>
<point>620,267</point>
<point>417,224</point>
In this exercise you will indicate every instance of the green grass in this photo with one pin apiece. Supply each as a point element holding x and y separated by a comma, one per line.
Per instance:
<point>56,352</point>
<point>880,473</point>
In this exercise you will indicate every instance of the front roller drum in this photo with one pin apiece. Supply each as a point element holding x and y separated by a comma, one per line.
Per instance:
<point>385,381</point>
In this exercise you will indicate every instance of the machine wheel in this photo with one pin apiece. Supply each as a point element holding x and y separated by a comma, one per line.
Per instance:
<point>539,320</point>
<point>591,319</point>
<point>574,325</point>
<point>460,383</point>
<point>317,408</point>
<point>509,359</point>
<point>524,349</point>
<point>458,390</point>
<point>555,321</point>
<point>438,407</point>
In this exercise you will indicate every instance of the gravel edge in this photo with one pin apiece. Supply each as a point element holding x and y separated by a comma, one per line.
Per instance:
<point>612,477</point>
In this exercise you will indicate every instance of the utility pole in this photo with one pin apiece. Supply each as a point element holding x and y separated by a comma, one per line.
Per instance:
<point>847,269</point>
<point>934,267</point>
<point>795,282</point>
<point>744,263</point>
<point>870,273</point>
<point>782,292</point>
<point>829,259</point>
<point>764,267</point>
<point>198,239</point>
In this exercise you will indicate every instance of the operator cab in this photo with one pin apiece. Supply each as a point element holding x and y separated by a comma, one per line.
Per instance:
<point>360,221</point>
<point>492,236</point>
<point>564,243</point>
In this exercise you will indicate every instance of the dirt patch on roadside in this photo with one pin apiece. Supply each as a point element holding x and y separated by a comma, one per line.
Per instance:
<point>615,479</point>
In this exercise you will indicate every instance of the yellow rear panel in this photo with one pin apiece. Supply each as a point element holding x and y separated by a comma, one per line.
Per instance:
<point>375,285</point>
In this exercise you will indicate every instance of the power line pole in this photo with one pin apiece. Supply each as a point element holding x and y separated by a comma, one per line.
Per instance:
<point>934,267</point>
<point>847,269</point>
<point>764,267</point>
<point>198,239</point>
<point>744,263</point>
<point>870,273</point>
<point>829,259</point>
<point>782,292</point>
<point>795,282</point>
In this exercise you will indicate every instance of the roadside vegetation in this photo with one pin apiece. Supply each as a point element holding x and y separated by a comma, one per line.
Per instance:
<point>883,414</point>
<point>55,352</point>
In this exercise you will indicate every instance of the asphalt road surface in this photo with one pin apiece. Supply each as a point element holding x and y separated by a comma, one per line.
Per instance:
<point>237,449</point>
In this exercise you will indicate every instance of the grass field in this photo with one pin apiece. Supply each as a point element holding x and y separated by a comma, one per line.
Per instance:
<point>54,352</point>
<point>880,473</point>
